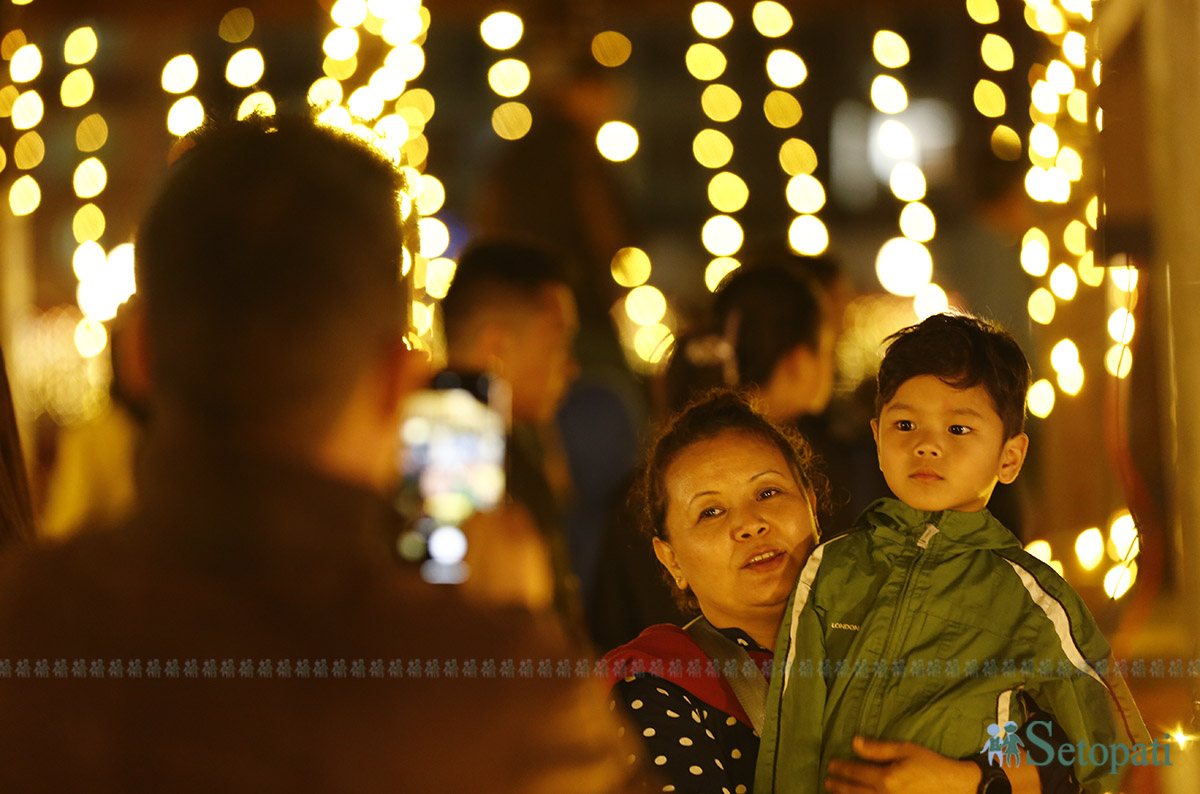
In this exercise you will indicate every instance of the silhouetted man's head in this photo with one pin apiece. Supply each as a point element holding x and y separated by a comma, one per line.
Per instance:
<point>269,266</point>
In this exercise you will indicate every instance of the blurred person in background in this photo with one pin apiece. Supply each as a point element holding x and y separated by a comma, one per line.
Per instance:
<point>16,508</point>
<point>510,313</point>
<point>249,629</point>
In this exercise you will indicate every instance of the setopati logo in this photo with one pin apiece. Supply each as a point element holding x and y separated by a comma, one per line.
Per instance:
<point>1004,745</point>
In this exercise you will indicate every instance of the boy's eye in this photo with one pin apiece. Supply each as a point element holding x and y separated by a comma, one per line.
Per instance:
<point>904,425</point>
<point>959,430</point>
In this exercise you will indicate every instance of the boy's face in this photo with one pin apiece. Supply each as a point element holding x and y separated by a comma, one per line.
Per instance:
<point>942,448</point>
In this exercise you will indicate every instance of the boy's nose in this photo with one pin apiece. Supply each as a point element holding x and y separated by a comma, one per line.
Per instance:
<point>927,449</point>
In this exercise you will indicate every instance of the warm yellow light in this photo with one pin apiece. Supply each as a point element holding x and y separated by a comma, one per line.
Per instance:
<point>29,151</point>
<point>797,157</point>
<point>805,194</point>
<point>91,133</point>
<point>1037,184</point>
<point>1124,278</point>
<point>90,337</point>
<point>509,77</point>
<point>1077,105</point>
<point>807,235</point>
<point>651,342</point>
<point>1075,238</point>
<point>26,64</point>
<point>403,27</point>
<point>324,91</point>
<point>90,178</point>
<point>630,267</point>
<point>435,237</point>
<point>341,44</point>
<point>989,99</point>
<point>236,26</point>
<point>432,195</point>
<point>771,19</point>
<point>88,223</point>
<point>1074,47</point>
<point>27,111</point>
<point>645,305</point>
<point>512,120</point>
<point>1040,549</point>
<point>184,116</point>
<point>1070,381</point>
<point>339,70</point>
<point>717,270</point>
<point>611,48</point>
<point>1118,361</point>
<point>711,20</point>
<point>1089,548</point>
<point>1035,252</point>
<point>907,182</point>
<point>727,192</point>
<point>720,102</point>
<point>1050,20</point>
<point>1063,282</point>
<point>24,195</point>
<point>930,300</point>
<point>997,53</point>
<point>985,12</point>
<point>1119,579</point>
<point>1096,72</point>
<point>888,94</point>
<point>89,261</point>
<point>259,102</point>
<point>420,101</point>
<point>416,150</point>
<point>337,117</point>
<point>439,273</point>
<point>782,109</point>
<point>77,88</point>
<point>388,82</point>
<point>722,235</point>
<point>8,98</point>
<point>422,317</point>
<point>1044,140</point>
<point>80,47</point>
<point>617,141</point>
<point>1058,186</point>
<point>890,49</point>
<point>1088,272</point>
<point>1041,306</point>
<point>705,62</point>
<point>1041,398</point>
<point>1070,163</point>
<point>1060,77</point>
<point>394,128</point>
<point>1120,326</point>
<point>1006,144</point>
<point>712,149</point>
<point>349,13</point>
<point>895,139</point>
<point>917,222</point>
<point>501,30</point>
<point>903,266</point>
<point>1064,355</point>
<point>245,68</point>
<point>1045,98</point>
<point>1123,537</point>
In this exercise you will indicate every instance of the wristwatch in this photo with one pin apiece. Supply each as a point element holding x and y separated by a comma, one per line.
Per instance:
<point>993,779</point>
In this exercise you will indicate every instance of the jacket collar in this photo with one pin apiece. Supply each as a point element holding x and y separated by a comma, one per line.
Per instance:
<point>895,519</point>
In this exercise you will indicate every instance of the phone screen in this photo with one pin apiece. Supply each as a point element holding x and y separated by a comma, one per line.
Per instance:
<point>453,465</point>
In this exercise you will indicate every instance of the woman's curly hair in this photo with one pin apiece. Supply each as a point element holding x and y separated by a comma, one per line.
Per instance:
<point>715,412</point>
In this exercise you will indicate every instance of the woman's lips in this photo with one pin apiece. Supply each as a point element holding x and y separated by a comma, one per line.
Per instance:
<point>765,560</point>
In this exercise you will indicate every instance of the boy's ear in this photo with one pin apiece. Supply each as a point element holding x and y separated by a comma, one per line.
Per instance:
<point>666,555</point>
<point>875,435</point>
<point>1012,457</point>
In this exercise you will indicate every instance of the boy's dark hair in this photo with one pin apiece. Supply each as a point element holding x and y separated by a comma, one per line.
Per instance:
<point>708,416</point>
<point>961,351</point>
<point>497,273</point>
<point>270,269</point>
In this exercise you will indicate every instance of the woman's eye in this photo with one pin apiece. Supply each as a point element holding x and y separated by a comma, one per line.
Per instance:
<point>710,512</point>
<point>959,430</point>
<point>767,493</point>
<point>904,425</point>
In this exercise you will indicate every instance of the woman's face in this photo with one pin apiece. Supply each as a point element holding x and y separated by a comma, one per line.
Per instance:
<point>739,527</point>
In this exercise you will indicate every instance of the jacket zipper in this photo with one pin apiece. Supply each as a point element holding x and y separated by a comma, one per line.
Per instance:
<point>898,621</point>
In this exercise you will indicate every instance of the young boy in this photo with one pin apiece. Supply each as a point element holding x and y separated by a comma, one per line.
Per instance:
<point>929,623</point>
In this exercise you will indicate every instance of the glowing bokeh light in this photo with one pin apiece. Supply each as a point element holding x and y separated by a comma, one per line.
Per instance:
<point>807,235</point>
<point>27,111</point>
<point>722,235</point>
<point>434,236</point>
<point>90,178</point>
<point>184,116</point>
<point>630,267</point>
<point>260,102</point>
<point>90,337</point>
<point>80,46</point>
<point>888,94</point>
<point>720,102</point>
<point>439,273</point>
<point>727,192</point>
<point>1070,381</point>
<point>917,222</point>
<point>704,61</point>
<point>1040,549</point>
<point>903,266</point>
<point>651,342</point>
<point>797,157</point>
<point>711,20</point>
<point>349,13</point>
<point>77,88</point>
<point>1060,77</point>
<point>1006,144</point>
<point>29,151</point>
<point>1089,548</point>
<point>771,19</point>
<point>236,26</point>
<point>1041,398</point>
<point>805,194</point>
<point>1119,579</point>
<point>24,196</point>
<point>1120,326</point>
<point>1074,47</point>
<point>501,30</point>
<point>512,120</point>
<point>895,139</point>
<point>717,270</point>
<point>989,99</point>
<point>341,44</point>
<point>88,223</point>
<point>1123,278</point>
<point>180,74</point>
<point>26,64</point>
<point>985,12</point>
<point>782,109</point>
<point>645,305</point>
<point>611,48</point>
<point>617,141</point>
<point>907,182</point>
<point>509,77</point>
<point>1064,356</point>
<point>1041,306</point>
<point>996,52</point>
<point>890,49</point>
<point>1063,282</point>
<point>1118,361</point>
<point>712,148</point>
<point>930,300</point>
<point>1045,98</point>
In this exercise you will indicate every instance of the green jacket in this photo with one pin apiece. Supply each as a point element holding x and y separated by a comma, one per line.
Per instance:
<point>924,627</point>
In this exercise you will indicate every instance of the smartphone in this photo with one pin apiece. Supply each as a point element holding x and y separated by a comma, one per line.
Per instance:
<point>452,464</point>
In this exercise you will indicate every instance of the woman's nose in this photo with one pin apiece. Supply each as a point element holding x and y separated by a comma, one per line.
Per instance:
<point>751,524</point>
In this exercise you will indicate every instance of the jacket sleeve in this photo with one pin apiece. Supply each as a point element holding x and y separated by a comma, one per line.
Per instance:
<point>789,756</point>
<point>1075,680</point>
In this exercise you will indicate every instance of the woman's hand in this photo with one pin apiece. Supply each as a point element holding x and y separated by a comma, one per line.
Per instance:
<point>900,768</point>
